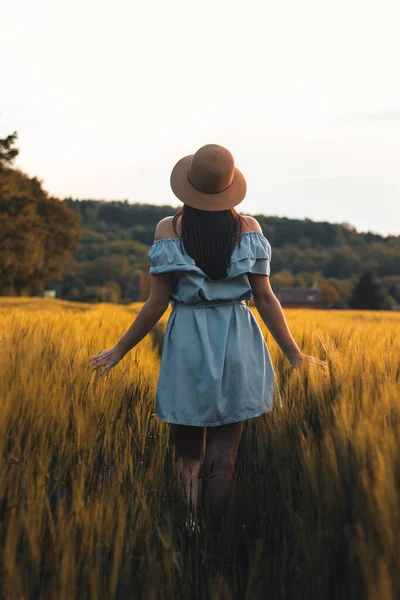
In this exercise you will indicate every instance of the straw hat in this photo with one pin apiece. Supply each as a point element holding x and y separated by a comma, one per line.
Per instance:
<point>208,179</point>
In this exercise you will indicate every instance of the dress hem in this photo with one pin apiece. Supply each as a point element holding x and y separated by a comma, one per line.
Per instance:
<point>258,414</point>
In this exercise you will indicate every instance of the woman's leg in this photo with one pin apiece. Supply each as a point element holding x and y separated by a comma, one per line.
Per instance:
<point>189,442</point>
<point>221,449</point>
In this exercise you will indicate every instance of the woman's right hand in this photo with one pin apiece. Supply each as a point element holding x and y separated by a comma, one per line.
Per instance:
<point>299,360</point>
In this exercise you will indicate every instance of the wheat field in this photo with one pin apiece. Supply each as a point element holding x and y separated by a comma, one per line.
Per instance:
<point>87,504</point>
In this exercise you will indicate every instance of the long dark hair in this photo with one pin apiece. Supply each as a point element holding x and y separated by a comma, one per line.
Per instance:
<point>209,237</point>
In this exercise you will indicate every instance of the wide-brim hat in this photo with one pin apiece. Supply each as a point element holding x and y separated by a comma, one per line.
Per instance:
<point>208,179</point>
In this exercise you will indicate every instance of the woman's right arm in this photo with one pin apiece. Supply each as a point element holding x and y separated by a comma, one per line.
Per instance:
<point>271,312</point>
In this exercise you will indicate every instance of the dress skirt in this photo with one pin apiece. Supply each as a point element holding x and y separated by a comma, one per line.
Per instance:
<point>215,365</point>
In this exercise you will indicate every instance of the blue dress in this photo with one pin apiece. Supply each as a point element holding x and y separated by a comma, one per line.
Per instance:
<point>215,365</point>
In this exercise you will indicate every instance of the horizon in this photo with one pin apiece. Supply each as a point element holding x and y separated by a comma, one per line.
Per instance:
<point>106,100</point>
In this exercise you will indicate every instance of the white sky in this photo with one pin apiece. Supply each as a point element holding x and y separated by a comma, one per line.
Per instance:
<point>107,96</point>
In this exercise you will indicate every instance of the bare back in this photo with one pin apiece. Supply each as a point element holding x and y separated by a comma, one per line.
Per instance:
<point>165,229</point>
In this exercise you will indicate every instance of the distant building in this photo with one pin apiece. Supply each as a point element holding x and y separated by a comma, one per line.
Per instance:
<point>297,297</point>
<point>49,294</point>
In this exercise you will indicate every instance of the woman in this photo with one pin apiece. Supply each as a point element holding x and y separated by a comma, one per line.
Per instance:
<point>215,370</point>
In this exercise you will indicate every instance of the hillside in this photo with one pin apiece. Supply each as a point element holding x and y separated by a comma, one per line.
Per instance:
<point>117,235</point>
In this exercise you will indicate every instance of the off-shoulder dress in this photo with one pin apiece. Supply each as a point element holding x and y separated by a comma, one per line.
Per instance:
<point>215,364</point>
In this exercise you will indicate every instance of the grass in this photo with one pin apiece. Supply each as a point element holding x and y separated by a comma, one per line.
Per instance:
<point>87,505</point>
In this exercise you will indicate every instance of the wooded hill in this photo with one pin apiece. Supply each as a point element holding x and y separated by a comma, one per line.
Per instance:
<point>112,257</point>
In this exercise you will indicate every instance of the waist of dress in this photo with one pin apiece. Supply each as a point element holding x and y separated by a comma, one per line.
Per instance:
<point>209,303</point>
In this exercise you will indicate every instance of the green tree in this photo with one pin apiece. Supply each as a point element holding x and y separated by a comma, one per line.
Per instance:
<point>37,233</point>
<point>366,294</point>
<point>344,263</point>
<point>7,150</point>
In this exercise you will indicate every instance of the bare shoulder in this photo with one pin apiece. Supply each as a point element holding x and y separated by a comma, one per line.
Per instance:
<point>252,224</point>
<point>164,229</point>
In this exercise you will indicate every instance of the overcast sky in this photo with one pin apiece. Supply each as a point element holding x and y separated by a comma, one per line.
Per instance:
<point>107,96</point>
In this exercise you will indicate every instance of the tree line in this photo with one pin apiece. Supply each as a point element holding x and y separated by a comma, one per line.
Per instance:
<point>92,251</point>
<point>37,231</point>
<point>117,236</point>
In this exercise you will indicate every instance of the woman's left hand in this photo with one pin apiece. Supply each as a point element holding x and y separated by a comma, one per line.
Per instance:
<point>106,359</point>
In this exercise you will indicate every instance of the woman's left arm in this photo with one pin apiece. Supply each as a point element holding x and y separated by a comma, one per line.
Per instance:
<point>150,313</point>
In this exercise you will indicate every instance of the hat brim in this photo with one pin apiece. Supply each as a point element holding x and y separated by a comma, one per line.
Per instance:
<point>190,195</point>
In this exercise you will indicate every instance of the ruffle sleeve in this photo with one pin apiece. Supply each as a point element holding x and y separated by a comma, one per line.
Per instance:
<point>251,255</point>
<point>165,255</point>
